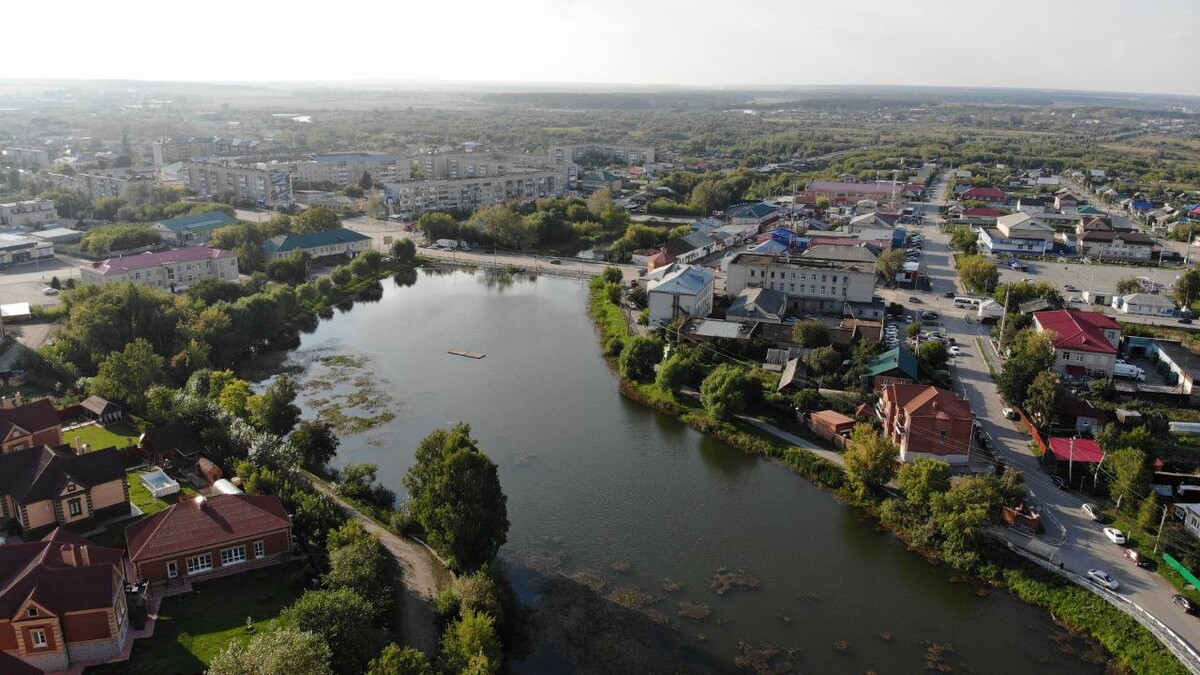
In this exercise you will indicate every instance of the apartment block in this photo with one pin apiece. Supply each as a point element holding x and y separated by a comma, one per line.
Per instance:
<point>25,156</point>
<point>217,179</point>
<point>598,153</point>
<point>412,198</point>
<point>810,284</point>
<point>98,185</point>
<point>28,213</point>
<point>343,168</point>
<point>168,150</point>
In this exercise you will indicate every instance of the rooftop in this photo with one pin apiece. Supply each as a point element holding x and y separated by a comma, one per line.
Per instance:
<point>204,522</point>
<point>684,280</point>
<point>148,260</point>
<point>284,243</point>
<point>199,222</point>
<point>62,573</point>
<point>35,474</point>
<point>919,400</point>
<point>897,358</point>
<point>1078,330</point>
<point>1076,450</point>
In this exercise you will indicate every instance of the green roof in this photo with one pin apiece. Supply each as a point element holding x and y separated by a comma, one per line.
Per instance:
<point>201,222</point>
<point>298,242</point>
<point>893,359</point>
<point>1089,210</point>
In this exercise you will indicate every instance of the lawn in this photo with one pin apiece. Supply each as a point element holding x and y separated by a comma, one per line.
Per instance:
<point>149,504</point>
<point>118,435</point>
<point>194,628</point>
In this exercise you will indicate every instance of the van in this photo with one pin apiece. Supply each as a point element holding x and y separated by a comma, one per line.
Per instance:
<point>1129,371</point>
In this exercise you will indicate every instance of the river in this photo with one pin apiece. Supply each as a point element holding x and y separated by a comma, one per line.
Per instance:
<point>622,498</point>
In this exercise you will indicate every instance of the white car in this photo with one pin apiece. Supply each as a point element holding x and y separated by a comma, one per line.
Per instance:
<point>955,351</point>
<point>1009,413</point>
<point>1092,512</point>
<point>1114,535</point>
<point>1103,578</point>
<point>49,290</point>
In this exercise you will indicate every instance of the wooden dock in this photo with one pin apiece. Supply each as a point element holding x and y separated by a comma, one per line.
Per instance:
<point>463,352</point>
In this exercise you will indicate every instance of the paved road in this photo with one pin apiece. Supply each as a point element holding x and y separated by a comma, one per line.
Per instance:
<point>419,580</point>
<point>1078,541</point>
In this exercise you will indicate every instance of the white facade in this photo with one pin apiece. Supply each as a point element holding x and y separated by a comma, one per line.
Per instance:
<point>15,249</point>
<point>1145,304</point>
<point>100,185</point>
<point>686,290</point>
<point>344,169</point>
<point>29,213</point>
<point>629,154</point>
<point>413,198</point>
<point>809,284</point>
<point>171,270</point>
<point>217,179</point>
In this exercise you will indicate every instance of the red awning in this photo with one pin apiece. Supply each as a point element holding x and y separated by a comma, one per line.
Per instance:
<point>1076,371</point>
<point>1076,450</point>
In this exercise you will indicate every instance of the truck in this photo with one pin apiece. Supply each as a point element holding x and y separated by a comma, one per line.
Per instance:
<point>448,244</point>
<point>1130,371</point>
<point>989,311</point>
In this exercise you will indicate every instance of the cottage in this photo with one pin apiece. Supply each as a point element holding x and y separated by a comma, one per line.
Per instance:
<point>25,425</point>
<point>43,487</point>
<point>758,304</point>
<point>1076,413</point>
<point>924,421</point>
<point>1085,343</point>
<point>192,229</point>
<point>1145,304</point>
<point>101,410</point>
<point>895,366</point>
<point>831,425</point>
<point>985,194</point>
<point>206,536</point>
<point>339,242</point>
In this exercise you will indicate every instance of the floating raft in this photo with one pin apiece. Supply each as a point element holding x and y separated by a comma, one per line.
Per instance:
<point>463,352</point>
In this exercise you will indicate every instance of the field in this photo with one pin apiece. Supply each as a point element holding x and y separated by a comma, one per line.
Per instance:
<point>116,435</point>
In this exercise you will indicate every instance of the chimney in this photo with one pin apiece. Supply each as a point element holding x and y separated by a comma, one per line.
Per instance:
<point>78,446</point>
<point>87,447</point>
<point>83,556</point>
<point>17,400</point>
<point>68,554</point>
<point>200,502</point>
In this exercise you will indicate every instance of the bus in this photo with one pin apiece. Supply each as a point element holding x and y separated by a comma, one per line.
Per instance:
<point>964,302</point>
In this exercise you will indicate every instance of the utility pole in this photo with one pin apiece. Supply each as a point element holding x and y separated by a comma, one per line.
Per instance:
<point>1162,521</point>
<point>1071,463</point>
<point>1004,319</point>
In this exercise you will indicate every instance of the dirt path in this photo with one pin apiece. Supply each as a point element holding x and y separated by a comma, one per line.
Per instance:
<point>419,579</point>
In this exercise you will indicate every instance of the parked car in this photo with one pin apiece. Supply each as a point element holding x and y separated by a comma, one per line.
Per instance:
<point>955,351</point>
<point>914,299</point>
<point>1009,413</point>
<point>555,261</point>
<point>1102,578</point>
<point>1184,319</point>
<point>49,290</point>
<point>1115,536</point>
<point>929,315</point>
<point>948,294</point>
<point>1071,288</point>
<point>1136,558</point>
<point>1059,482</point>
<point>1076,299</point>
<point>908,318</point>
<point>1093,512</point>
<point>1184,604</point>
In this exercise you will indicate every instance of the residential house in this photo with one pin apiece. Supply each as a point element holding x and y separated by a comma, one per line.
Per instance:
<point>1111,244</point>
<point>659,259</point>
<point>759,214</point>
<point>1065,201</point>
<point>1145,304</point>
<point>686,290</point>
<point>339,242</point>
<point>982,215</point>
<point>26,425</point>
<point>706,330</point>
<point>984,194</point>
<point>831,425</point>
<point>62,601</point>
<point>690,247</point>
<point>869,221</point>
<point>924,421</point>
<point>205,536</point>
<point>600,180</point>
<point>1085,343</point>
<point>1191,518</point>
<point>843,193</point>
<point>895,366</point>
<point>172,270</point>
<point>28,213</point>
<point>192,229</point>
<point>1076,413</point>
<point>171,445</point>
<point>44,487</point>
<point>1178,365</point>
<point>1017,233</point>
<point>758,304</point>
<point>810,284</point>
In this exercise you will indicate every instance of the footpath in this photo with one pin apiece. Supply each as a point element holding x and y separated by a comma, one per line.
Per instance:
<point>795,440</point>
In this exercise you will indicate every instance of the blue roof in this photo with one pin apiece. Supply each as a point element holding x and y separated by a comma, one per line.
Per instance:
<point>298,242</point>
<point>199,222</point>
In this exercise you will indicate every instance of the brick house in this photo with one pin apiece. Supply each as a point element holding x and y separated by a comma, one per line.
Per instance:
<point>62,600</point>
<point>43,487</point>
<point>924,421</point>
<point>26,425</point>
<point>1085,343</point>
<point>203,536</point>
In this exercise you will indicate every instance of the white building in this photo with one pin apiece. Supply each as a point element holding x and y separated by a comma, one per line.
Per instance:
<point>599,153</point>
<point>343,168</point>
<point>98,185</point>
<point>29,213</point>
<point>412,198</point>
<point>172,270</point>
<point>1146,304</point>
<point>686,290</point>
<point>16,249</point>
<point>810,284</point>
<point>168,150</point>
<point>213,179</point>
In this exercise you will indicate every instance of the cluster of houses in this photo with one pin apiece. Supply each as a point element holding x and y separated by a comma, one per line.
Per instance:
<point>66,601</point>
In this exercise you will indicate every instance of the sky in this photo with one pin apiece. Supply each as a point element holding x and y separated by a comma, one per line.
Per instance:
<point>1103,45</point>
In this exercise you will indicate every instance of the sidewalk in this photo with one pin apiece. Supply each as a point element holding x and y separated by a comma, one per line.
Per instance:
<point>795,440</point>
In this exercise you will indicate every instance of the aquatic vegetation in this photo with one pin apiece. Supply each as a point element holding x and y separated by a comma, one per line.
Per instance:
<point>725,580</point>
<point>692,610</point>
<point>594,581</point>
<point>632,597</point>
<point>670,585</point>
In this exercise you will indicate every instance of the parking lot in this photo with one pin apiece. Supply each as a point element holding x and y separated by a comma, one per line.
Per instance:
<point>26,282</point>
<point>1097,277</point>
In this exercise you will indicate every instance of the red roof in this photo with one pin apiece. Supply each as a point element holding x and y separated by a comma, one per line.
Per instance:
<point>202,523</point>
<point>1076,450</point>
<point>983,212</point>
<point>985,192</point>
<point>32,417</point>
<point>919,400</point>
<point>146,260</point>
<point>39,571</point>
<point>1078,330</point>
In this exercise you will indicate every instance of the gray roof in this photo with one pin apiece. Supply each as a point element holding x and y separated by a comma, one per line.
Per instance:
<point>1149,299</point>
<point>686,280</point>
<point>859,254</point>
<point>716,328</point>
<point>759,303</point>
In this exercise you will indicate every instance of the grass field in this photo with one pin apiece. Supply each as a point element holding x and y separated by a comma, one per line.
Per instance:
<point>194,628</point>
<point>118,435</point>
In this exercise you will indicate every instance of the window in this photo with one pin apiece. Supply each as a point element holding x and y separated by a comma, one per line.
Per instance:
<point>172,570</point>
<point>75,507</point>
<point>233,556</point>
<point>33,611</point>
<point>1066,356</point>
<point>38,637</point>
<point>260,549</point>
<point>199,563</point>
<point>943,436</point>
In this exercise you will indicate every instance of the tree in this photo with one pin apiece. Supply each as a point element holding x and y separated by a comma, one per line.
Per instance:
<point>1031,353</point>
<point>404,251</point>
<point>962,513</point>
<point>1129,284</point>
<point>362,565</point>
<point>55,283</point>
<point>1044,396</point>
<point>599,202</point>
<point>1024,291</point>
<point>921,479</point>
<point>964,240</point>
<point>1149,512</point>
<point>344,620</point>
<point>126,375</point>
<point>870,459</point>
<point>397,660</point>
<point>1128,475</point>
<point>341,275</point>
<point>282,651</point>
<point>891,263</point>
<point>612,275</point>
<point>934,354</point>
<point>639,357</point>
<point>913,330</point>
<point>455,495</point>
<point>823,360</point>
<point>723,392</point>
<point>978,274</point>
<point>472,636</point>
<point>1187,287</point>
<point>316,219</point>
<point>365,182</point>
<point>316,442</point>
<point>274,410</point>
<point>810,333</point>
<point>436,225</point>
<point>235,398</point>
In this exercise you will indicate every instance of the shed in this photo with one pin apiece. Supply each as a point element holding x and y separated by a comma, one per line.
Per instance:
<point>830,423</point>
<point>223,486</point>
<point>209,470</point>
<point>102,410</point>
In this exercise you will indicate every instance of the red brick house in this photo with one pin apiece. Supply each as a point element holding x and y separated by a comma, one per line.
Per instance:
<point>206,535</point>
<point>984,194</point>
<point>25,425</point>
<point>62,600</point>
<point>924,421</point>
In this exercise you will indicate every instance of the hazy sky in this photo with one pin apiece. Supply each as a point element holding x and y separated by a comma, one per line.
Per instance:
<point>1125,45</point>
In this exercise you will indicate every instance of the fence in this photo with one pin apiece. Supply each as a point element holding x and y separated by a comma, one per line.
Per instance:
<point>1177,645</point>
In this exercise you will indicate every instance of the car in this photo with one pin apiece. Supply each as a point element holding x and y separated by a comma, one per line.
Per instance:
<point>948,294</point>
<point>951,341</point>
<point>1071,288</point>
<point>1183,603</point>
<point>929,315</point>
<point>1092,512</point>
<point>1136,558</point>
<point>908,318</point>
<point>1114,535</point>
<point>1075,299</point>
<point>1184,319</point>
<point>955,351</point>
<point>555,261</point>
<point>1009,413</point>
<point>915,299</point>
<point>1102,578</point>
<point>1059,482</point>
<point>49,290</point>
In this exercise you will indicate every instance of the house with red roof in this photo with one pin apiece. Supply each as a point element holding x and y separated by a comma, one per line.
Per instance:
<point>208,537</point>
<point>925,421</point>
<point>26,424</point>
<point>62,601</point>
<point>982,215</point>
<point>985,194</point>
<point>1085,343</point>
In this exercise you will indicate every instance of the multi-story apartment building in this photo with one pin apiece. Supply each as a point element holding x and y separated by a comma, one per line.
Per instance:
<point>100,184</point>
<point>810,284</point>
<point>168,150</point>
<point>29,213</point>
<point>595,154</point>
<point>924,421</point>
<point>412,198</point>
<point>1085,343</point>
<point>172,270</point>
<point>216,179</point>
<point>343,168</point>
<point>23,156</point>
<point>478,164</point>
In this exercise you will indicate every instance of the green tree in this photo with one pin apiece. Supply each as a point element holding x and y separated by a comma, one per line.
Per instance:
<point>811,333</point>
<point>639,357</point>
<point>472,636</point>
<point>436,225</point>
<point>455,495</point>
<point>479,592</point>
<point>823,361</point>
<point>281,651</point>
<point>962,513</point>
<point>613,275</point>
<point>1024,291</point>
<point>397,660</point>
<point>921,479</point>
<point>235,398</point>
<point>978,274</point>
<point>404,251</point>
<point>341,275</point>
<point>1129,284</point>
<point>891,263</point>
<point>964,240</point>
<point>870,459</point>
<point>1148,513</point>
<point>1031,353</point>
<point>126,375</point>
<point>55,283</point>
<point>913,330</point>
<point>274,410</point>
<point>1128,475</point>
<point>599,202</point>
<point>723,393</point>
<point>316,219</point>
<point>1187,287</point>
<point>353,190</point>
<point>933,354</point>
<point>678,370</point>
<point>1044,397</point>
<point>365,182</point>
<point>362,565</point>
<point>316,442</point>
<point>344,620</point>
